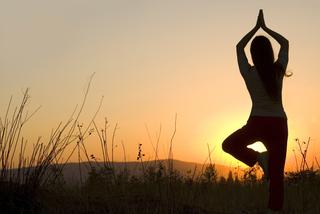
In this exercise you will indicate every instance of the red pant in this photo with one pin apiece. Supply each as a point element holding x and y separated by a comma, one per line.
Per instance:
<point>273,133</point>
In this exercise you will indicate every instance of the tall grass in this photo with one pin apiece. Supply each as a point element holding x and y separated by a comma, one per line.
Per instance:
<point>31,170</point>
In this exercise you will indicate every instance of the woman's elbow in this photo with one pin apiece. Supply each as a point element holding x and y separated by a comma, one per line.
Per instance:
<point>285,43</point>
<point>239,46</point>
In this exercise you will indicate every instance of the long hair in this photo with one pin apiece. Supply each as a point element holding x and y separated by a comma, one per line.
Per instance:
<point>269,71</point>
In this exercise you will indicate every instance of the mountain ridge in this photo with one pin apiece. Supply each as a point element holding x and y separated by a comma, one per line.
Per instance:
<point>71,172</point>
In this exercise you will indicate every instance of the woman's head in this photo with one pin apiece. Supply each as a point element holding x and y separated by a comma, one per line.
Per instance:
<point>261,51</point>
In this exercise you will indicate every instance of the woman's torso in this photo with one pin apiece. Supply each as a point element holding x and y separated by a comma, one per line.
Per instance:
<point>262,103</point>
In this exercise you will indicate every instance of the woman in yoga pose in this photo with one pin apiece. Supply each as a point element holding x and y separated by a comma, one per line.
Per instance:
<point>268,121</point>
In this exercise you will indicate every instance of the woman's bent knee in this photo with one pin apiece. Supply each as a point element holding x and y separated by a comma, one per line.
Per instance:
<point>226,146</point>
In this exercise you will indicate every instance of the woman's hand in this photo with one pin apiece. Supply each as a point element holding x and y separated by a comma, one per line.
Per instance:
<point>257,26</point>
<point>260,20</point>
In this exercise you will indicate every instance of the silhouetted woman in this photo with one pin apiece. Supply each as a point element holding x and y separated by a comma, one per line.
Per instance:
<point>268,121</point>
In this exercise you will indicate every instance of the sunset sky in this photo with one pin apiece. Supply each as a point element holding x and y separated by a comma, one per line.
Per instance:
<point>153,59</point>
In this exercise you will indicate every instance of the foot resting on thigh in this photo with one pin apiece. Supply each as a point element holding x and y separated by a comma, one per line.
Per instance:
<point>263,161</point>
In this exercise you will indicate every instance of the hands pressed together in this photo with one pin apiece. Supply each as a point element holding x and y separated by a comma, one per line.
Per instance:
<point>260,21</point>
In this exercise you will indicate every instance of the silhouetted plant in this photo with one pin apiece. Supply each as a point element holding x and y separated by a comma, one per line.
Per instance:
<point>154,173</point>
<point>302,176</point>
<point>57,181</point>
<point>222,180</point>
<point>230,177</point>
<point>250,175</point>
<point>304,172</point>
<point>210,174</point>
<point>98,181</point>
<point>123,176</point>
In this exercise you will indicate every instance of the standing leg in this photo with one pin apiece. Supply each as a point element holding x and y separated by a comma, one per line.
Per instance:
<point>236,145</point>
<point>277,154</point>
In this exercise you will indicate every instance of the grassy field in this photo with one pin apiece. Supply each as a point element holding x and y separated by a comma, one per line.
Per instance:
<point>159,192</point>
<point>34,183</point>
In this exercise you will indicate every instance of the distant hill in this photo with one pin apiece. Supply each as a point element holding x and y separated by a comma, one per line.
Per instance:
<point>72,175</point>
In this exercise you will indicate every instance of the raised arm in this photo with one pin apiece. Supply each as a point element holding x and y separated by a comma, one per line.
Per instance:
<point>284,43</point>
<point>241,55</point>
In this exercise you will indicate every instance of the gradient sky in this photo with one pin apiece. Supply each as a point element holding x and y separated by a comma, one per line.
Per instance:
<point>153,59</point>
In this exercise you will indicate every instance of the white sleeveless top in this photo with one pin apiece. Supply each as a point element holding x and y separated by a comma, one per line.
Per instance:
<point>262,104</point>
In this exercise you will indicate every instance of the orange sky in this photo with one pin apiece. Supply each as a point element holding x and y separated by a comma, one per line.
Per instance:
<point>152,60</point>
